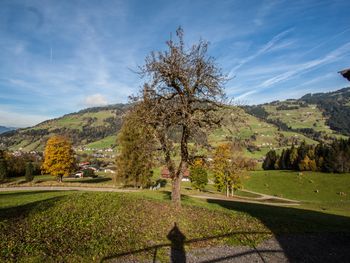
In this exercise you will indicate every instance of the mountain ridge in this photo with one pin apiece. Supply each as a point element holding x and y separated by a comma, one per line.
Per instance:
<point>274,124</point>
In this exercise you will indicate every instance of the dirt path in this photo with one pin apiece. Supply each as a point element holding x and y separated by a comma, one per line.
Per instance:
<point>266,197</point>
<point>247,200</point>
<point>262,199</point>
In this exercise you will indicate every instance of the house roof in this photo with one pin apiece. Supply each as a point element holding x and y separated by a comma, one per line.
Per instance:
<point>345,73</point>
<point>165,172</point>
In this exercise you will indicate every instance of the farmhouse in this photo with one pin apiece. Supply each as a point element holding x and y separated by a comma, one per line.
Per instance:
<point>166,175</point>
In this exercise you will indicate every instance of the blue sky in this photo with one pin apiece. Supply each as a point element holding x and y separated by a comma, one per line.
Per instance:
<point>57,57</point>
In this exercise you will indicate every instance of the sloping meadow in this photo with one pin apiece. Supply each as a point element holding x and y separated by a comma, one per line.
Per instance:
<point>90,226</point>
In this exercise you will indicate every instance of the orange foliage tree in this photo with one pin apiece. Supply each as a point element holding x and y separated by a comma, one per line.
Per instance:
<point>59,158</point>
<point>229,164</point>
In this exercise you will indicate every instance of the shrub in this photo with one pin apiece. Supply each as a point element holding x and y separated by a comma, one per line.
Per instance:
<point>89,173</point>
<point>3,170</point>
<point>29,175</point>
<point>198,177</point>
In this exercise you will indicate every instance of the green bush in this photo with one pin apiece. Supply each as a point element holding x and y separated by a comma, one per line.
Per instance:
<point>89,173</point>
<point>29,175</point>
<point>198,177</point>
<point>3,170</point>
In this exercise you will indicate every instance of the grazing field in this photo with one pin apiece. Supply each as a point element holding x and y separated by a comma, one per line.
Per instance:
<point>106,142</point>
<point>321,191</point>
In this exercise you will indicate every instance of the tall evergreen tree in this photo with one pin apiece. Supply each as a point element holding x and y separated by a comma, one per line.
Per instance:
<point>3,170</point>
<point>270,160</point>
<point>136,143</point>
<point>29,172</point>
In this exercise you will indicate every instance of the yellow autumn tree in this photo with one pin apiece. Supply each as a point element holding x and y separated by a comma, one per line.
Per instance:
<point>59,158</point>
<point>228,166</point>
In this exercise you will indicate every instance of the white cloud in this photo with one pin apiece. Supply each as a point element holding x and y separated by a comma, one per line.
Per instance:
<point>264,49</point>
<point>95,100</point>
<point>307,66</point>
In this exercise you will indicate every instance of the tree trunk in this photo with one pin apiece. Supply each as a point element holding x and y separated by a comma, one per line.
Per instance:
<point>232,190</point>
<point>59,178</point>
<point>227,191</point>
<point>176,183</point>
<point>176,192</point>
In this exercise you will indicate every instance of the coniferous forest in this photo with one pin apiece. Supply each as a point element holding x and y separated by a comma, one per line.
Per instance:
<point>329,158</point>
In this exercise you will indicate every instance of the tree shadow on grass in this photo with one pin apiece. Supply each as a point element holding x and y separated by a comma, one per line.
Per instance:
<point>26,192</point>
<point>22,211</point>
<point>303,235</point>
<point>90,180</point>
<point>167,196</point>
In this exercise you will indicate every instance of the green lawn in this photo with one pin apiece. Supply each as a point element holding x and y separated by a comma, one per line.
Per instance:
<point>321,191</point>
<point>75,226</point>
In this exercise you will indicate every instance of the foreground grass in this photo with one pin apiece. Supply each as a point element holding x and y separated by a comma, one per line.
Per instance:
<point>319,191</point>
<point>77,226</point>
<point>73,226</point>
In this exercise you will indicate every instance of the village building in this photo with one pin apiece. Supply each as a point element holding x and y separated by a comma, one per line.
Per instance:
<point>166,174</point>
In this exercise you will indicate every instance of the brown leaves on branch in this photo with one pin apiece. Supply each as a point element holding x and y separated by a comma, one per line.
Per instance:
<point>183,91</point>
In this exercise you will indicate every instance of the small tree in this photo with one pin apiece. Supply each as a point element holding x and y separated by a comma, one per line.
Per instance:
<point>3,170</point>
<point>198,176</point>
<point>29,175</point>
<point>59,158</point>
<point>228,167</point>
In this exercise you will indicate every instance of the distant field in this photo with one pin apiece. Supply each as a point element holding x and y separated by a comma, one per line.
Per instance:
<point>303,117</point>
<point>321,191</point>
<point>106,142</point>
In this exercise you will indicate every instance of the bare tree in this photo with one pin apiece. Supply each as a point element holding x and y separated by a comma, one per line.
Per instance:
<point>180,98</point>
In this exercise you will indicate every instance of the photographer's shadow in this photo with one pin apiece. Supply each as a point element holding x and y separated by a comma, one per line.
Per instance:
<point>177,239</point>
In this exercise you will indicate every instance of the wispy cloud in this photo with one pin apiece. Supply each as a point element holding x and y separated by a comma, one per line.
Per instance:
<point>264,49</point>
<point>56,53</point>
<point>309,65</point>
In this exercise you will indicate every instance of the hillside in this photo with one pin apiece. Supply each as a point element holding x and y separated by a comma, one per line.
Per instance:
<point>83,127</point>
<point>319,116</point>
<point>276,125</point>
<point>96,128</point>
<point>335,106</point>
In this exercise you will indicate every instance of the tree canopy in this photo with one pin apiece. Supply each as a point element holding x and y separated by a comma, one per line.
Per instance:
<point>228,166</point>
<point>59,158</point>
<point>182,92</point>
<point>136,144</point>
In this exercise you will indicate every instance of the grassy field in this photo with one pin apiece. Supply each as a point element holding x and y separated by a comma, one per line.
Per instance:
<point>106,142</point>
<point>303,117</point>
<point>70,226</point>
<point>320,191</point>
